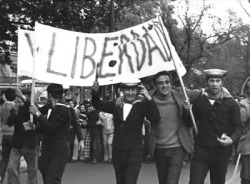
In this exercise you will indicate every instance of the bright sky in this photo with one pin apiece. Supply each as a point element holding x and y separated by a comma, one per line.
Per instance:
<point>219,9</point>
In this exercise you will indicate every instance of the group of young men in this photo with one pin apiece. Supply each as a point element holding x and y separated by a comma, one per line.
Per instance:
<point>219,121</point>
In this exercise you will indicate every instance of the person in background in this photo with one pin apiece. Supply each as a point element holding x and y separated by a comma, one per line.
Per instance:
<point>3,98</point>
<point>128,121</point>
<point>95,128</point>
<point>244,143</point>
<point>108,134</point>
<point>86,152</point>
<point>55,150</point>
<point>24,142</point>
<point>7,131</point>
<point>83,124</point>
<point>219,127</point>
<point>75,131</point>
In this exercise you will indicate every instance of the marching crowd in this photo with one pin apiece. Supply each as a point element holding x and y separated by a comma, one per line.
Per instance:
<point>138,125</point>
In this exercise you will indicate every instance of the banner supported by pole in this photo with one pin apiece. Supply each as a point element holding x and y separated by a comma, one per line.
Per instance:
<point>180,78</point>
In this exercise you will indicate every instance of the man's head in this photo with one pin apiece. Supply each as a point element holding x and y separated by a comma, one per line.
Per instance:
<point>163,83</point>
<point>26,93</point>
<point>214,78</point>
<point>55,91</point>
<point>130,89</point>
<point>70,102</point>
<point>10,94</point>
<point>82,107</point>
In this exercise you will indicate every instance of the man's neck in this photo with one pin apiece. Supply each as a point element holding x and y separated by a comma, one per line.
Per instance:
<point>163,97</point>
<point>216,96</point>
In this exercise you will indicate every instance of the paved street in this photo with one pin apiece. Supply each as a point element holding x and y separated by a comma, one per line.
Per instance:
<point>86,173</point>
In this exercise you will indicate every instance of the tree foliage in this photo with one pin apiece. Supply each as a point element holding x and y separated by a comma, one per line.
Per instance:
<point>197,48</point>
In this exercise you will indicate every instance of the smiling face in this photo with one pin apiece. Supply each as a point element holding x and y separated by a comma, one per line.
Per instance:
<point>130,94</point>
<point>214,85</point>
<point>163,85</point>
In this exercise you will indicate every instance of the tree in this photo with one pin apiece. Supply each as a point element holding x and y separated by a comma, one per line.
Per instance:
<point>190,38</point>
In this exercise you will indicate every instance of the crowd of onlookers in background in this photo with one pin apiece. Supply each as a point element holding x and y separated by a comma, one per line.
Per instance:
<point>97,128</point>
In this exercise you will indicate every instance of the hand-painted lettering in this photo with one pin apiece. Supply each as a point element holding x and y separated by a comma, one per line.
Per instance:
<point>51,53</point>
<point>89,57</point>
<point>27,35</point>
<point>160,33</point>
<point>151,48</point>
<point>143,53</point>
<point>73,70</point>
<point>123,52</point>
<point>104,55</point>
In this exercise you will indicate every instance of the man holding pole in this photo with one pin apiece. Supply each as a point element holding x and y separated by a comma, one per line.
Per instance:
<point>170,140</point>
<point>219,127</point>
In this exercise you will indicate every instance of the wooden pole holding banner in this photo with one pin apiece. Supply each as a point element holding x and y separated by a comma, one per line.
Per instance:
<point>32,98</point>
<point>181,81</point>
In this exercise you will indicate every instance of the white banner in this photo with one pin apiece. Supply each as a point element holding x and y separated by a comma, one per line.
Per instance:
<point>26,40</point>
<point>72,57</point>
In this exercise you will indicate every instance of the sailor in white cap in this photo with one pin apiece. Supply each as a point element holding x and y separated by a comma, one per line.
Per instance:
<point>219,128</point>
<point>128,122</point>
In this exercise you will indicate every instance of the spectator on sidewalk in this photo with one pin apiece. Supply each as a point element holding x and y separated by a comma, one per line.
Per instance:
<point>244,143</point>
<point>95,128</point>
<point>7,131</point>
<point>108,134</point>
<point>84,125</point>
<point>25,142</point>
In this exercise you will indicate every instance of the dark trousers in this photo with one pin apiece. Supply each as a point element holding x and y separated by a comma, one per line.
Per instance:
<point>169,163</point>
<point>6,148</point>
<point>245,169</point>
<point>95,144</point>
<point>52,165</point>
<point>30,156</point>
<point>72,135</point>
<point>207,159</point>
<point>127,165</point>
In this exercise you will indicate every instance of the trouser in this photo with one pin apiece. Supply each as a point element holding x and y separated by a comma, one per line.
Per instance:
<point>86,152</point>
<point>169,164</point>
<point>245,181</point>
<point>30,156</point>
<point>72,135</point>
<point>245,169</point>
<point>210,159</point>
<point>6,148</point>
<point>95,144</point>
<point>52,166</point>
<point>107,145</point>
<point>84,134</point>
<point>127,165</point>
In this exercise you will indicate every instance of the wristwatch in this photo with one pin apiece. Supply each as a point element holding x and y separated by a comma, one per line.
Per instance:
<point>38,114</point>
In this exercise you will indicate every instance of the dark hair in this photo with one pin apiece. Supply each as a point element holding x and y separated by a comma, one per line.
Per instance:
<point>56,90</point>
<point>156,76</point>
<point>69,100</point>
<point>10,94</point>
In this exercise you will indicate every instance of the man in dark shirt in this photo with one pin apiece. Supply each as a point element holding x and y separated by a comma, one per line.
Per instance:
<point>128,121</point>
<point>24,143</point>
<point>219,126</point>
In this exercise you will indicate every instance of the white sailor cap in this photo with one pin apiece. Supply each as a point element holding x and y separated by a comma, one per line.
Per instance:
<point>215,73</point>
<point>130,82</point>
